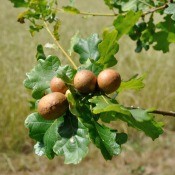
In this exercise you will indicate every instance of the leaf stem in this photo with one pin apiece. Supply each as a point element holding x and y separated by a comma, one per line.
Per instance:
<point>59,46</point>
<point>164,113</point>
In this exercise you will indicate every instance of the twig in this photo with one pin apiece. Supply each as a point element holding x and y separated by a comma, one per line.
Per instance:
<point>59,46</point>
<point>164,113</point>
<point>116,14</point>
<point>155,9</point>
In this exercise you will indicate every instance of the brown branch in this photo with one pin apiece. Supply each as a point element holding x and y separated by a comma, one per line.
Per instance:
<point>115,14</point>
<point>155,9</point>
<point>164,113</point>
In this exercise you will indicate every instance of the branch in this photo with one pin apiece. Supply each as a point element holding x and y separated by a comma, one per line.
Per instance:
<point>115,14</point>
<point>59,46</point>
<point>155,9</point>
<point>164,113</point>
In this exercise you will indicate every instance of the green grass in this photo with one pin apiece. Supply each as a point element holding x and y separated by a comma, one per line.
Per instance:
<point>17,53</point>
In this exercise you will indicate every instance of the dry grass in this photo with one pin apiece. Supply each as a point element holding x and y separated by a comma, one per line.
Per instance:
<point>140,155</point>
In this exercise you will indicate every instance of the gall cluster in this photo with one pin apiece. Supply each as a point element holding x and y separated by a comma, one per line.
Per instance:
<point>55,104</point>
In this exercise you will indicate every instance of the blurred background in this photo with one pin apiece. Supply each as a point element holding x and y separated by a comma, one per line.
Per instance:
<point>140,154</point>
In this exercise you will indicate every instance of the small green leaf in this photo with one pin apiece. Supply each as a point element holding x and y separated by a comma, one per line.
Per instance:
<point>71,9</point>
<point>56,28</point>
<point>33,28</point>
<point>135,83</point>
<point>124,23</point>
<point>108,48</point>
<point>40,53</point>
<point>104,104</point>
<point>91,65</point>
<point>40,76</point>
<point>73,42</point>
<point>66,73</point>
<point>37,126</point>
<point>170,10</point>
<point>73,140</point>
<point>88,48</point>
<point>108,3</point>
<point>19,3</point>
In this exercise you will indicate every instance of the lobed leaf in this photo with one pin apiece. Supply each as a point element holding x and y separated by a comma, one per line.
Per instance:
<point>40,76</point>
<point>124,23</point>
<point>108,48</point>
<point>170,10</point>
<point>134,83</point>
<point>105,139</point>
<point>66,73</point>
<point>136,118</point>
<point>73,140</point>
<point>88,48</point>
<point>37,126</point>
<point>19,3</point>
<point>105,104</point>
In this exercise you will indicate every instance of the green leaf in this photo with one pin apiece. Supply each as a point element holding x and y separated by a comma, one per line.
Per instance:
<point>168,26</point>
<point>121,138</point>
<point>135,83</point>
<point>88,48</point>
<point>33,28</point>
<point>124,23</point>
<point>108,48</point>
<point>141,115</point>
<point>108,141</point>
<point>71,9</point>
<point>144,121</point>
<point>73,140</point>
<point>135,5</point>
<point>104,104</point>
<point>103,137</point>
<point>19,3</point>
<point>40,76</point>
<point>171,37</point>
<point>108,3</point>
<point>162,43</point>
<point>51,136</point>
<point>37,126</point>
<point>170,10</point>
<point>56,28</point>
<point>66,73</point>
<point>73,42</point>
<point>40,53</point>
<point>91,65</point>
<point>137,118</point>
